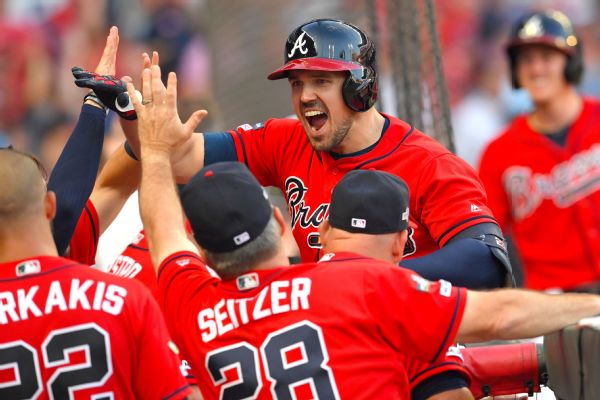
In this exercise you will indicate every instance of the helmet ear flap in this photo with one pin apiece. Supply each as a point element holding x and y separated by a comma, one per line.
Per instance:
<point>360,93</point>
<point>574,67</point>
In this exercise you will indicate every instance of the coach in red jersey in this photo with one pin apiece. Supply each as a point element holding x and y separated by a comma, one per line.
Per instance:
<point>67,330</point>
<point>542,175</point>
<point>269,330</point>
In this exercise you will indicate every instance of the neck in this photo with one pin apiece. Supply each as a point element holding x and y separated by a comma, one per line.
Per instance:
<point>358,244</point>
<point>365,131</point>
<point>26,240</point>
<point>280,259</point>
<point>556,114</point>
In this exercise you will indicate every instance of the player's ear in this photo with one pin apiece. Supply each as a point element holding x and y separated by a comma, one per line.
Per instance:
<point>50,205</point>
<point>279,218</point>
<point>324,228</point>
<point>398,245</point>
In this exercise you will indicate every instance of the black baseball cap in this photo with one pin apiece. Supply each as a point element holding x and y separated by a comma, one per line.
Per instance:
<point>226,206</point>
<point>369,201</point>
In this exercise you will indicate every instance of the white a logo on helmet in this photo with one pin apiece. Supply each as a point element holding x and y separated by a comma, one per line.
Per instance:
<point>299,45</point>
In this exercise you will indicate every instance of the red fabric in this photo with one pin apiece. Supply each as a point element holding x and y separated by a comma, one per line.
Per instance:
<point>549,198</point>
<point>446,195</point>
<point>115,319</point>
<point>419,371</point>
<point>504,369</point>
<point>135,263</point>
<point>357,318</point>
<point>84,242</point>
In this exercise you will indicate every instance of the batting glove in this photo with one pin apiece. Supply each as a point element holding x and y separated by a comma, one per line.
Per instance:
<point>110,90</point>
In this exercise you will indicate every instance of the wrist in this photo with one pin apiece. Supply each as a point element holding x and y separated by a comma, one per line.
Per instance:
<point>93,100</point>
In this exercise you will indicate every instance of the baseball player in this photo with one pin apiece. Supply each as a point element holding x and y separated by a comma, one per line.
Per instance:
<point>336,329</point>
<point>332,72</point>
<point>542,173</point>
<point>67,330</point>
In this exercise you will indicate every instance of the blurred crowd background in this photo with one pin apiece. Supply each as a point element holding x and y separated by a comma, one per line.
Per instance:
<point>222,52</point>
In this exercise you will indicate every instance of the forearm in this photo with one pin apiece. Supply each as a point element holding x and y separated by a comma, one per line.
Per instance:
<point>188,158</point>
<point>75,172</point>
<point>118,179</point>
<point>160,207</point>
<point>466,262</point>
<point>508,314</point>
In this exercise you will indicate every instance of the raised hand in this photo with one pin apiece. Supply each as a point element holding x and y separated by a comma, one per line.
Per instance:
<point>110,90</point>
<point>159,125</point>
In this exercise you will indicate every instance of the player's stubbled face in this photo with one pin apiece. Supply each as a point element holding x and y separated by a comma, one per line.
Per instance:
<point>318,103</point>
<point>540,70</point>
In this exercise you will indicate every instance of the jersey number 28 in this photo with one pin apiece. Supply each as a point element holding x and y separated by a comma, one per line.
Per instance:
<point>304,339</point>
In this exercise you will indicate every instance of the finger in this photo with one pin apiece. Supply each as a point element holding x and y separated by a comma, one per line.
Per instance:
<point>158,88</point>
<point>106,66</point>
<point>146,60</point>
<point>172,90</point>
<point>146,85</point>
<point>127,79</point>
<point>193,121</point>
<point>135,100</point>
<point>155,58</point>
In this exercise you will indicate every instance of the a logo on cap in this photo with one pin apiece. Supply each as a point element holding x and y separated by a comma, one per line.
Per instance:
<point>358,223</point>
<point>241,238</point>
<point>405,215</point>
<point>299,45</point>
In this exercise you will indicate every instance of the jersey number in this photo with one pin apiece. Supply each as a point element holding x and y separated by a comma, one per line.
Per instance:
<point>22,359</point>
<point>293,356</point>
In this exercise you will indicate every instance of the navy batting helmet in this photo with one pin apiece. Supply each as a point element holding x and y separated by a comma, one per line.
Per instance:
<point>332,45</point>
<point>550,28</point>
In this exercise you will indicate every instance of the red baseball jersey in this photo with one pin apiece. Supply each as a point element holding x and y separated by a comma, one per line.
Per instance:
<point>136,263</point>
<point>69,331</point>
<point>84,243</point>
<point>332,330</point>
<point>446,195</point>
<point>548,197</point>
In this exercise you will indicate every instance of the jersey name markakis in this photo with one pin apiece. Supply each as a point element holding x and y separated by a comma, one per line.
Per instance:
<point>23,304</point>
<point>276,298</point>
<point>565,184</point>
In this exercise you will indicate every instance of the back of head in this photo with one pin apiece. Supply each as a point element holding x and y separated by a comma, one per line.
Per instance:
<point>370,202</point>
<point>332,45</point>
<point>548,28</point>
<point>231,217</point>
<point>22,186</point>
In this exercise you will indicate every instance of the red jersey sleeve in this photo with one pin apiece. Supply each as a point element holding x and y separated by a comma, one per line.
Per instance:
<point>490,172</point>
<point>84,242</point>
<point>158,374</point>
<point>266,147</point>
<point>180,277</point>
<point>418,316</point>
<point>451,197</point>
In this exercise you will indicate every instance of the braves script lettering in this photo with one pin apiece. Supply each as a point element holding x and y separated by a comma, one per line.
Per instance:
<point>299,45</point>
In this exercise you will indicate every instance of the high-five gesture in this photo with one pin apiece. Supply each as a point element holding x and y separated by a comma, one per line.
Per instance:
<point>159,125</point>
<point>160,131</point>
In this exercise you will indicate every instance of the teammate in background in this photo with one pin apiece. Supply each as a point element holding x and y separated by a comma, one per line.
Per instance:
<point>267,329</point>
<point>542,173</point>
<point>331,68</point>
<point>110,328</point>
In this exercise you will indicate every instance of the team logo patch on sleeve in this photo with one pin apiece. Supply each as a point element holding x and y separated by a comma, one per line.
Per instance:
<point>248,127</point>
<point>421,284</point>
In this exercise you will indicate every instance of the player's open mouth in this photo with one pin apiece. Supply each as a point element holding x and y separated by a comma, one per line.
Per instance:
<point>316,119</point>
